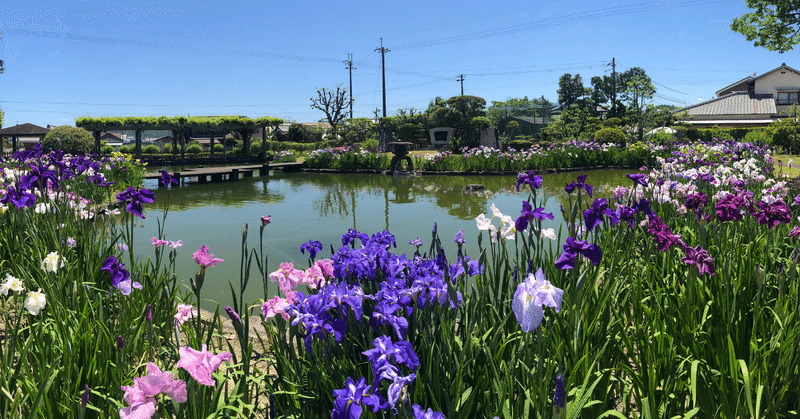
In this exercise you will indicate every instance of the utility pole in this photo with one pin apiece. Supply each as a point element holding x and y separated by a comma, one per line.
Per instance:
<point>614,85</point>
<point>383,73</point>
<point>350,67</point>
<point>461,79</point>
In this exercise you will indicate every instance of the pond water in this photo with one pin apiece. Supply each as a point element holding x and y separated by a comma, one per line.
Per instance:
<point>323,207</point>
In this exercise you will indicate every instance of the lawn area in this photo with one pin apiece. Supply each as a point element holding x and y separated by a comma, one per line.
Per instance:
<point>781,163</point>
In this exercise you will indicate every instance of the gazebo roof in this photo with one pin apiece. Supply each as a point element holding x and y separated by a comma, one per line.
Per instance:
<point>24,130</point>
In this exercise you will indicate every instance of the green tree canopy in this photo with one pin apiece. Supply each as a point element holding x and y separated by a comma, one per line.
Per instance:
<point>773,24</point>
<point>457,112</point>
<point>570,90</point>
<point>68,139</point>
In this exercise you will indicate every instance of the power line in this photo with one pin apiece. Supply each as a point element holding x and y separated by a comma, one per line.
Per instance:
<point>556,21</point>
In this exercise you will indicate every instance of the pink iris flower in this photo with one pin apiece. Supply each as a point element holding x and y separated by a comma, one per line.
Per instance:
<point>201,364</point>
<point>141,395</point>
<point>204,259</point>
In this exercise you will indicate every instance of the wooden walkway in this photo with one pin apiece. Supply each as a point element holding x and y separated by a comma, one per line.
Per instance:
<point>229,173</point>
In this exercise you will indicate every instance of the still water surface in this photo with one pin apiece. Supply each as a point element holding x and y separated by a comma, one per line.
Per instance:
<point>323,207</point>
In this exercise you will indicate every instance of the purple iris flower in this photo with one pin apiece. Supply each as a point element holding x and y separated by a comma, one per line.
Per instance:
<point>18,196</point>
<point>772,214</point>
<point>384,238</point>
<point>415,242</point>
<point>136,198</point>
<point>729,208</point>
<point>696,201</point>
<point>638,178</point>
<point>384,313</point>
<point>528,214</point>
<point>628,214</point>
<point>574,246</point>
<point>313,247</point>
<point>700,258</point>
<point>459,238</point>
<point>38,177</point>
<point>662,234</point>
<point>120,277</point>
<point>426,414</point>
<point>794,233</point>
<point>352,235</point>
<point>457,268</point>
<point>594,215</point>
<point>581,183</point>
<point>350,399</point>
<point>644,207</point>
<point>167,179</point>
<point>534,181</point>
<point>560,394</point>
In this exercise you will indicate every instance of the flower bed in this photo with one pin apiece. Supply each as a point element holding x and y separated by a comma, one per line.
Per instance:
<point>679,296</point>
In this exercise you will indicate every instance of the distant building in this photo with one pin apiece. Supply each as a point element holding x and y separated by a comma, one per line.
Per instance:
<point>750,102</point>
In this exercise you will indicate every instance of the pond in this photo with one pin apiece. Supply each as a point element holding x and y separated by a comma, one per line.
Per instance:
<point>323,207</point>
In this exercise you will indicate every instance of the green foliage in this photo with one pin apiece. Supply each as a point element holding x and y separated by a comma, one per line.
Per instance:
<point>106,149</point>
<point>127,149</point>
<point>218,148</point>
<point>612,122</point>
<point>573,123</point>
<point>168,149</point>
<point>68,139</point>
<point>457,112</point>
<point>610,135</point>
<point>570,90</point>
<point>151,149</point>
<point>520,144</point>
<point>773,24</point>
<point>195,149</point>
<point>357,130</point>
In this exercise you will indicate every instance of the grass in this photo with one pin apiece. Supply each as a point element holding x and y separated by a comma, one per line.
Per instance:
<point>781,161</point>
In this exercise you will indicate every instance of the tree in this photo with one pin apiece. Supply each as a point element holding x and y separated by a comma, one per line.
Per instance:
<point>638,92</point>
<point>774,24</point>
<point>334,104</point>
<point>570,89</point>
<point>457,112</point>
<point>68,139</point>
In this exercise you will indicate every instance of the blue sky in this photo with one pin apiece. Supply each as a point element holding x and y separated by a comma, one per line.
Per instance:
<point>98,58</point>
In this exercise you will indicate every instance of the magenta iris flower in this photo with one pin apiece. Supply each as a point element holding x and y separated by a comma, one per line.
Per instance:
<point>772,214</point>
<point>136,198</point>
<point>573,247</point>
<point>204,259</point>
<point>662,234</point>
<point>201,364</point>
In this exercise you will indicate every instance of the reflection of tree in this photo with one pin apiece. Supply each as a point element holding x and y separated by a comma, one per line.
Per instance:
<point>218,194</point>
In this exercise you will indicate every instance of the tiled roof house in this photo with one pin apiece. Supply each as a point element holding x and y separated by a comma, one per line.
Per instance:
<point>750,102</point>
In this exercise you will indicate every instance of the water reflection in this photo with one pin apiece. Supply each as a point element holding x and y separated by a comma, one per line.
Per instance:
<point>323,206</point>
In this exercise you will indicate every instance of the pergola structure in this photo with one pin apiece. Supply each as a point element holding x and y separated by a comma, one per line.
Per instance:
<point>181,127</point>
<point>23,130</point>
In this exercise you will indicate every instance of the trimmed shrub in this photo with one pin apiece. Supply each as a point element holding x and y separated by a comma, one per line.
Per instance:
<point>218,148</point>
<point>68,139</point>
<point>610,135</point>
<point>612,122</point>
<point>520,144</point>
<point>106,149</point>
<point>195,149</point>
<point>168,148</point>
<point>127,149</point>
<point>151,149</point>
